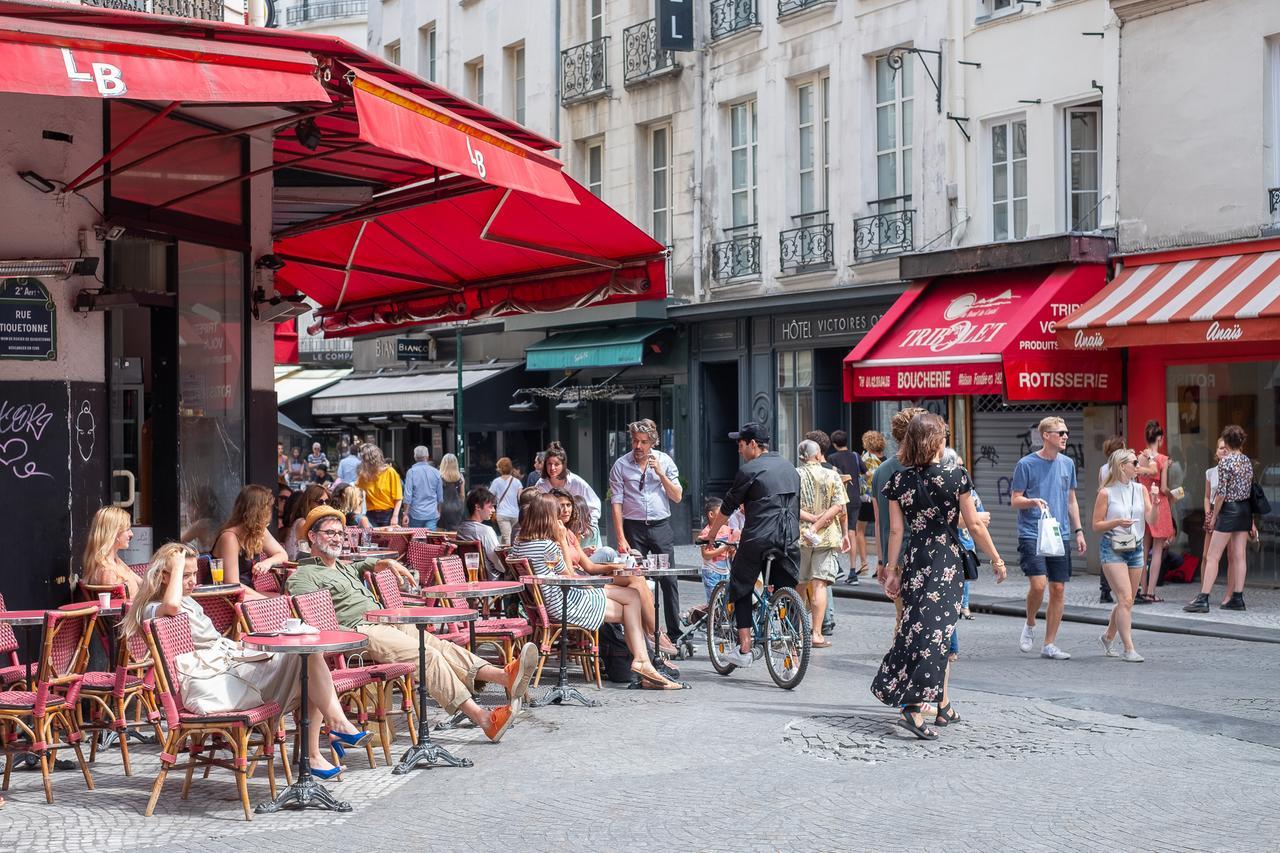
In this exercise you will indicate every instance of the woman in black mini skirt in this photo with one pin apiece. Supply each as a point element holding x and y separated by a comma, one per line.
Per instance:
<point>1231,520</point>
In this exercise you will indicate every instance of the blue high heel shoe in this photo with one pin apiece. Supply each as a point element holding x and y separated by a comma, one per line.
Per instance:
<point>340,741</point>
<point>326,774</point>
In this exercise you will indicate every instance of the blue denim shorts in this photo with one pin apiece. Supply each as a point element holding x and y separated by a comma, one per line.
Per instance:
<point>1058,569</point>
<point>710,579</point>
<point>1134,559</point>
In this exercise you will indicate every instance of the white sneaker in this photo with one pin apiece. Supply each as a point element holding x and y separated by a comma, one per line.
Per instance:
<point>1054,653</point>
<point>1132,656</point>
<point>1108,646</point>
<point>1028,638</point>
<point>739,658</point>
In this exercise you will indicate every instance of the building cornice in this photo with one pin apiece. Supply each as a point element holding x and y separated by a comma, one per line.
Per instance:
<point>1128,10</point>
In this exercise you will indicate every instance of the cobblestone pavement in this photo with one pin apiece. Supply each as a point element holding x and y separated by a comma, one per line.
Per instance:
<point>1179,753</point>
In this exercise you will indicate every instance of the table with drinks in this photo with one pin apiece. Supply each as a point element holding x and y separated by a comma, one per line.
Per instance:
<point>657,566</point>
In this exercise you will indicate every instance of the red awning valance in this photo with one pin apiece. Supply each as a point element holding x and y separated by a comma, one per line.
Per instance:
<point>992,333</point>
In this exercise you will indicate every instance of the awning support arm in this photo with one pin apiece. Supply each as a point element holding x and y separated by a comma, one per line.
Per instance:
<point>74,183</point>
<point>329,265</point>
<point>253,173</point>
<point>417,197</point>
<point>346,277</point>
<point>535,247</point>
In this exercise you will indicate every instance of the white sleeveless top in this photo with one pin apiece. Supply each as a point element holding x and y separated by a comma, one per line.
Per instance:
<point>1124,500</point>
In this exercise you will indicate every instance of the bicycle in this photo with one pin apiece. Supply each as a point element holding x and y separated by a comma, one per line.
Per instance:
<point>781,630</point>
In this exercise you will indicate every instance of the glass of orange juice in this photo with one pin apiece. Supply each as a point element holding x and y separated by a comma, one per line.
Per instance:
<point>215,570</point>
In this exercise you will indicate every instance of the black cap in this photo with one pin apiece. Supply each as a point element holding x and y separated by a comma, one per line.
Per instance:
<point>751,431</point>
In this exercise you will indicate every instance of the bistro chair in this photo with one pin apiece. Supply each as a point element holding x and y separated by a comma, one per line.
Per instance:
<point>140,569</point>
<point>584,645</point>
<point>316,609</point>
<point>387,590</point>
<point>11,669</point>
<point>470,546</point>
<point>167,638</point>
<point>51,706</point>
<point>220,607</point>
<point>420,555</point>
<point>351,536</point>
<point>503,632</point>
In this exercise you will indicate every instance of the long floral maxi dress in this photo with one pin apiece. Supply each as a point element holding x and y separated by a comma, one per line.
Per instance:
<point>932,581</point>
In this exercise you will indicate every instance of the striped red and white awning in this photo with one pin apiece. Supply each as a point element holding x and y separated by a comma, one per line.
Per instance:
<point>1171,299</point>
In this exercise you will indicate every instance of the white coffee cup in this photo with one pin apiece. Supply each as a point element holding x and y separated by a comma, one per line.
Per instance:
<point>291,624</point>
<point>104,600</point>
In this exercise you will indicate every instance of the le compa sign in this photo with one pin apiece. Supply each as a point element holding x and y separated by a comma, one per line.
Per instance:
<point>28,321</point>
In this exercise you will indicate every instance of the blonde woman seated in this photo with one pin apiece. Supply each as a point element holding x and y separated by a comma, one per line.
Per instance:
<point>109,533</point>
<point>244,544</point>
<point>539,543</point>
<point>166,591</point>
<point>574,527</point>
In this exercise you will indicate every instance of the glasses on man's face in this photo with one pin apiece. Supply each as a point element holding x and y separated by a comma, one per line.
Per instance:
<point>332,533</point>
<point>1061,432</point>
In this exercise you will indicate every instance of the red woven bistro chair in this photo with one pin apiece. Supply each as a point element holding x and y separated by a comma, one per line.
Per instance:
<point>220,607</point>
<point>168,637</point>
<point>584,645</point>
<point>470,546</point>
<point>50,708</point>
<point>351,536</point>
<point>107,696</point>
<point>503,632</point>
<point>11,669</point>
<point>139,569</point>
<point>385,587</point>
<point>88,592</point>
<point>420,555</point>
<point>316,609</point>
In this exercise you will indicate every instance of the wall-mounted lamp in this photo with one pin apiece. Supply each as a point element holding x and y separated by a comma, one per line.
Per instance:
<point>48,267</point>
<point>39,182</point>
<point>269,262</point>
<point>524,406</point>
<point>308,133</point>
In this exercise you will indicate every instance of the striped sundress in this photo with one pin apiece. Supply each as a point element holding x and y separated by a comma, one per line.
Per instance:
<point>586,605</point>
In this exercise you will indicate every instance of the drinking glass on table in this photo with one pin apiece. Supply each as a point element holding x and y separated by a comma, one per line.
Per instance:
<point>472,561</point>
<point>215,570</point>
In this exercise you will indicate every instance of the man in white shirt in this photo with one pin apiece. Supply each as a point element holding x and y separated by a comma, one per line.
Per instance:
<point>643,484</point>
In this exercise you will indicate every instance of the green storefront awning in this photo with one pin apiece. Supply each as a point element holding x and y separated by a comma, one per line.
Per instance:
<point>622,347</point>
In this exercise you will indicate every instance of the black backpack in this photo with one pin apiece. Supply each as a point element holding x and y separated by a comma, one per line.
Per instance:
<point>615,657</point>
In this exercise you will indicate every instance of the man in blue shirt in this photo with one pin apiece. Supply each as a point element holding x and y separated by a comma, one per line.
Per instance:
<point>349,465</point>
<point>423,491</point>
<point>1044,483</point>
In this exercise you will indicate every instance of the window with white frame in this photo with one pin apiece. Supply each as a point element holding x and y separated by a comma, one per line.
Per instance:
<point>515,58</point>
<point>1009,180</point>
<point>595,168</point>
<point>660,189</point>
<point>795,400</point>
<point>992,8</point>
<point>427,52</point>
<point>393,52</point>
<point>812,115</point>
<point>1084,161</point>
<point>743,149</point>
<point>597,20</point>
<point>895,127</point>
<point>475,80</point>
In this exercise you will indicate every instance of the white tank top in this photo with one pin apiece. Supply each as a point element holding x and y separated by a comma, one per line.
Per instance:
<point>1124,500</point>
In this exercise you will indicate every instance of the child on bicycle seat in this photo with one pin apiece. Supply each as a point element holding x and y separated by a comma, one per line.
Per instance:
<point>716,555</point>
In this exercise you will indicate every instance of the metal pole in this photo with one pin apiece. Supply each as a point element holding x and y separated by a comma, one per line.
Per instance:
<point>459,430</point>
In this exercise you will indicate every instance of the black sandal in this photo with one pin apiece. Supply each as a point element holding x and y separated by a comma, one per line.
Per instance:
<point>946,716</point>
<point>921,731</point>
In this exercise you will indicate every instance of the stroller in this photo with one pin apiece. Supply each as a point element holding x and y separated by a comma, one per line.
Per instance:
<point>693,629</point>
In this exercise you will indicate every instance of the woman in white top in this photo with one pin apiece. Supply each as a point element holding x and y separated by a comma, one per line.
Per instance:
<point>1121,513</point>
<point>556,475</point>
<point>506,491</point>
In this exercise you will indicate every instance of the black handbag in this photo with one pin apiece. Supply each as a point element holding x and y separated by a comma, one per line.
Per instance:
<point>969,560</point>
<point>1258,503</point>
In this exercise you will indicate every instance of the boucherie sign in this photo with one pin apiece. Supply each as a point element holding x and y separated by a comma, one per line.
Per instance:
<point>989,334</point>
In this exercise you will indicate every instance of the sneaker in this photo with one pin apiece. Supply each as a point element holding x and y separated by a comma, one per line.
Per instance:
<point>1028,638</point>
<point>852,579</point>
<point>520,671</point>
<point>739,658</point>
<point>1107,648</point>
<point>500,720</point>
<point>1200,604</point>
<point>1053,652</point>
<point>1132,656</point>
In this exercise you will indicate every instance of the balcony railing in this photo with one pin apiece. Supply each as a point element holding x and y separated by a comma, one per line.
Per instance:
<point>584,71</point>
<point>730,16</point>
<point>1273,199</point>
<point>328,11</point>
<point>786,7</point>
<point>886,233</point>
<point>808,248</point>
<point>202,10</point>
<point>737,257</point>
<point>642,59</point>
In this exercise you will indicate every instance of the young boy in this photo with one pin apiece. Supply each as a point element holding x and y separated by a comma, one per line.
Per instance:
<point>716,555</point>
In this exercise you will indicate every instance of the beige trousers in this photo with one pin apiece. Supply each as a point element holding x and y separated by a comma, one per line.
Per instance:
<point>451,669</point>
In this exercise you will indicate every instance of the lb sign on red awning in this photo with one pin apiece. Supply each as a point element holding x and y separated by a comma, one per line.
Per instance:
<point>993,333</point>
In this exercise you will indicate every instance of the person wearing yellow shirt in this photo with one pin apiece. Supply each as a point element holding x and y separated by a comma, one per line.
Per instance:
<point>383,491</point>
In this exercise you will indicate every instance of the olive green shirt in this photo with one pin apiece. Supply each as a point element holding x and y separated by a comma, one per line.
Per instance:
<point>351,600</point>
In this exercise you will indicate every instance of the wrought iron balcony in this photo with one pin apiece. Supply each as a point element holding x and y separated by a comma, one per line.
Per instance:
<point>642,59</point>
<point>329,10</point>
<point>808,248</point>
<point>584,71</point>
<point>202,10</point>
<point>737,257</point>
<point>786,7</point>
<point>1273,199</point>
<point>883,234</point>
<point>730,16</point>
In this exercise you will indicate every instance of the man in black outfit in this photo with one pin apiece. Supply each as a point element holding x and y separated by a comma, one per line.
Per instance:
<point>768,488</point>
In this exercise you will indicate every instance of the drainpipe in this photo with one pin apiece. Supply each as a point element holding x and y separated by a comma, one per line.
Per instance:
<point>555,71</point>
<point>957,151</point>
<point>699,147</point>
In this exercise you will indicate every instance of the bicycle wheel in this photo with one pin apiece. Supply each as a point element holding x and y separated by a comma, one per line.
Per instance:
<point>722,632</point>
<point>786,652</point>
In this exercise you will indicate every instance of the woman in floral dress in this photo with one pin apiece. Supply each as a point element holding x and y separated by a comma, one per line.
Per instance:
<point>925,502</point>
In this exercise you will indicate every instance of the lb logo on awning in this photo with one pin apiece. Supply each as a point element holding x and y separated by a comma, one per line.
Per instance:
<point>106,77</point>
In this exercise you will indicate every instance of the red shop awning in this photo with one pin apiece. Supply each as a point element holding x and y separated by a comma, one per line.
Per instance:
<point>69,60</point>
<point>489,253</point>
<point>991,333</point>
<point>1183,297</point>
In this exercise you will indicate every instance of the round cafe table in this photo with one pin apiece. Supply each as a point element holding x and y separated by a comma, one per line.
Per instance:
<point>305,791</point>
<point>669,572</point>
<point>562,692</point>
<point>425,750</point>
<point>368,554</point>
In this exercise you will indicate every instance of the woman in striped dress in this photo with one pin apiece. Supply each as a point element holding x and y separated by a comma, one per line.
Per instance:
<point>540,541</point>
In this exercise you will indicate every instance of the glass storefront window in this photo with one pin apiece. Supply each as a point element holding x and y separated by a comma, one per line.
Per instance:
<point>1202,399</point>
<point>795,400</point>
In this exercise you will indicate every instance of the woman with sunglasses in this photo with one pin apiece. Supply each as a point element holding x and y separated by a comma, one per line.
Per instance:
<point>1121,513</point>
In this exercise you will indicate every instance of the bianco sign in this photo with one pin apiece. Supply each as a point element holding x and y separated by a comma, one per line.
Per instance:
<point>107,78</point>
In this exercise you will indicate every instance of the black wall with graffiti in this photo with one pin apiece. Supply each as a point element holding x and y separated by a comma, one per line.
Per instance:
<point>54,464</point>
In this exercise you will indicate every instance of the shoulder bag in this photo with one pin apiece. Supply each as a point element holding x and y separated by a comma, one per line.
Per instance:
<point>968,557</point>
<point>1125,541</point>
<point>1258,503</point>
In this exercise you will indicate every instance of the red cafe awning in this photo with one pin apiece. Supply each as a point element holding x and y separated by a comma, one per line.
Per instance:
<point>1183,297</point>
<point>488,253</point>
<point>68,60</point>
<point>989,333</point>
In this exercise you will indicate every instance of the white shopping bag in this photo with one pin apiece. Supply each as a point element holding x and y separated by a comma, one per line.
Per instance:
<point>1050,543</point>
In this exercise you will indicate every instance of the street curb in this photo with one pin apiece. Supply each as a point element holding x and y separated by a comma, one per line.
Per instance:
<point>870,591</point>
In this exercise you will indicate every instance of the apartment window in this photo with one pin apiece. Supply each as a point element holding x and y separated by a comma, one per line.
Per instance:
<point>597,20</point>
<point>393,52</point>
<point>1009,180</point>
<point>990,8</point>
<point>517,83</point>
<point>812,114</point>
<point>795,400</point>
<point>1084,141</point>
<point>895,103</point>
<point>427,52</point>
<point>595,169</point>
<point>475,80</point>
<point>743,145</point>
<point>660,183</point>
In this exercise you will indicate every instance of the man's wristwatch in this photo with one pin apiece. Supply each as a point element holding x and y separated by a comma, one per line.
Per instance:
<point>1077,530</point>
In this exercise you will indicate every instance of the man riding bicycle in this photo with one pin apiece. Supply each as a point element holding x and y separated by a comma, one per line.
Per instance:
<point>768,488</point>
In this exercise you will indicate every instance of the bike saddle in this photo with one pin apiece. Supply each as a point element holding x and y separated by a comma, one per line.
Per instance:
<point>772,553</point>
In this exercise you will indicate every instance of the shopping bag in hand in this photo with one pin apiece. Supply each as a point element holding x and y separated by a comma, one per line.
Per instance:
<point>1050,543</point>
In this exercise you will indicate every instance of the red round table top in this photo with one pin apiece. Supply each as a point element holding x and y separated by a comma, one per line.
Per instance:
<point>22,617</point>
<point>321,641</point>
<point>372,553</point>
<point>113,610</point>
<point>476,589</point>
<point>421,615</point>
